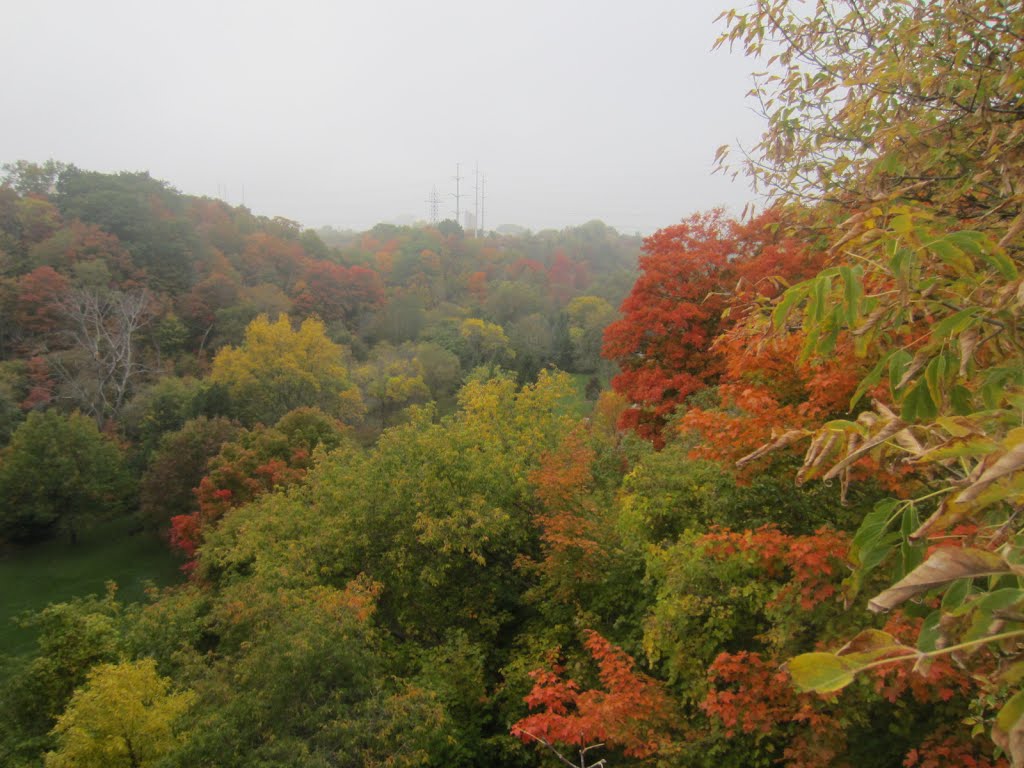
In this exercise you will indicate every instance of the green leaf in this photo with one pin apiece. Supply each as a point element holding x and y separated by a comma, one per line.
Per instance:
<point>935,377</point>
<point>999,261</point>
<point>790,299</point>
<point>928,637</point>
<point>1008,731</point>
<point>954,324</point>
<point>918,404</point>
<point>869,381</point>
<point>898,363</point>
<point>821,672</point>
<point>956,594</point>
<point>1001,599</point>
<point>853,289</point>
<point>820,298</point>
<point>952,256</point>
<point>911,556</point>
<point>961,399</point>
<point>901,224</point>
<point>875,523</point>
<point>968,240</point>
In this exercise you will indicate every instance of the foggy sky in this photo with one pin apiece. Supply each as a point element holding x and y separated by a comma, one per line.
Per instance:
<point>347,113</point>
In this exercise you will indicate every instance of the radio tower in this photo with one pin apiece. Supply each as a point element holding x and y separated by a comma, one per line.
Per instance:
<point>434,201</point>
<point>457,195</point>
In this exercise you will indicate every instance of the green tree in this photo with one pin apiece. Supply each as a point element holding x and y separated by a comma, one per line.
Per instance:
<point>588,317</point>
<point>59,472</point>
<point>124,715</point>
<point>71,638</point>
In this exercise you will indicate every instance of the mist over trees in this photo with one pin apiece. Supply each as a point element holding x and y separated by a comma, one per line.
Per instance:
<point>743,493</point>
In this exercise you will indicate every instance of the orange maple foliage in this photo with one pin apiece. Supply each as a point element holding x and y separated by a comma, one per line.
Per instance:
<point>809,563</point>
<point>570,542</point>
<point>766,390</point>
<point>691,273</point>
<point>630,712</point>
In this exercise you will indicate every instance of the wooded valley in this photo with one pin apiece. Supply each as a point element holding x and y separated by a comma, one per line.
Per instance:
<point>745,492</point>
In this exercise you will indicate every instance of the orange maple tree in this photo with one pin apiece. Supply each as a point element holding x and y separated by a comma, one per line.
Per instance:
<point>696,280</point>
<point>630,711</point>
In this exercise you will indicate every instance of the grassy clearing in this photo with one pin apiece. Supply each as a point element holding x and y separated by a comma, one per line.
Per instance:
<point>56,571</point>
<point>580,405</point>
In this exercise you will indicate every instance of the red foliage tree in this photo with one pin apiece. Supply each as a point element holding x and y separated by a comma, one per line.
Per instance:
<point>750,694</point>
<point>270,259</point>
<point>630,711</point>
<point>335,292</point>
<point>690,274</point>
<point>38,308</point>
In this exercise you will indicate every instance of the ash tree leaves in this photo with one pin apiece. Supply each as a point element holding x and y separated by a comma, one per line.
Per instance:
<point>908,147</point>
<point>125,715</point>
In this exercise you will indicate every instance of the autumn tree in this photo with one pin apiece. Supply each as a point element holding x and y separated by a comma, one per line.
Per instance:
<point>78,247</point>
<point>177,466</point>
<point>145,214</point>
<point>234,471</point>
<point>277,369</point>
<point>689,277</point>
<point>39,303</point>
<point>627,711</point>
<point>486,342</point>
<point>268,258</point>
<point>390,380</point>
<point>338,293</point>
<point>124,715</point>
<point>904,120</point>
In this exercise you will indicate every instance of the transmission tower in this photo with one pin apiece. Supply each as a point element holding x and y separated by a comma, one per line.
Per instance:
<point>434,201</point>
<point>457,195</point>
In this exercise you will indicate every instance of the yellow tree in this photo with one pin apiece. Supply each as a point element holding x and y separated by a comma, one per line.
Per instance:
<point>124,715</point>
<point>487,341</point>
<point>278,369</point>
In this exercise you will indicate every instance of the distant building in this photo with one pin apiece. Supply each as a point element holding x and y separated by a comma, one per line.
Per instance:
<point>469,222</point>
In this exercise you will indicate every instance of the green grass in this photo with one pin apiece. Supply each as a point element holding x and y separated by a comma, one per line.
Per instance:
<point>580,406</point>
<point>56,571</point>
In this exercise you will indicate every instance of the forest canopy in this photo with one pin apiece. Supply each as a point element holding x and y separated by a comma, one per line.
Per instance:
<point>422,522</point>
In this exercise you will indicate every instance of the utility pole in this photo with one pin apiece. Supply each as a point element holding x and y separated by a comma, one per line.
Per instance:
<point>434,201</point>
<point>457,195</point>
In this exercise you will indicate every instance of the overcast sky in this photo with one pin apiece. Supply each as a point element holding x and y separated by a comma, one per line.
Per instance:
<point>348,113</point>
